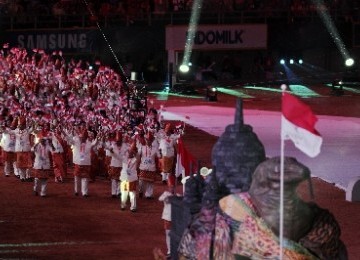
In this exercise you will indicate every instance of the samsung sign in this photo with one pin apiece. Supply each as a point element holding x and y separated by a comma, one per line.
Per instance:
<point>219,37</point>
<point>67,40</point>
<point>53,41</point>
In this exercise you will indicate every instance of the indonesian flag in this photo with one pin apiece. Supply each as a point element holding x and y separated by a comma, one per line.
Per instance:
<point>298,124</point>
<point>184,160</point>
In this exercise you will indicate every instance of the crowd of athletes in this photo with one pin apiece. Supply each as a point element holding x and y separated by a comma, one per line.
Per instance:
<point>59,116</point>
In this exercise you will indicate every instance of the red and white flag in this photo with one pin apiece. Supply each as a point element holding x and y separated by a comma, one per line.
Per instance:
<point>186,162</point>
<point>298,125</point>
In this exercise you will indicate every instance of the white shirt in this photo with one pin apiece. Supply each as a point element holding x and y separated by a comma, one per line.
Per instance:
<point>22,143</point>
<point>8,142</point>
<point>117,154</point>
<point>58,147</point>
<point>167,145</point>
<point>42,157</point>
<point>81,151</point>
<point>108,144</point>
<point>129,171</point>
<point>166,214</point>
<point>147,156</point>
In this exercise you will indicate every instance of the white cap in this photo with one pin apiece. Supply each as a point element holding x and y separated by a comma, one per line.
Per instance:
<point>204,171</point>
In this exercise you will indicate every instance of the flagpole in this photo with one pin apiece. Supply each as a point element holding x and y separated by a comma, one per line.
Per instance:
<point>281,213</point>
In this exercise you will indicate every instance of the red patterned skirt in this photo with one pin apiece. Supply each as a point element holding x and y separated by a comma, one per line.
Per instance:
<point>107,163</point>
<point>114,172</point>
<point>59,164</point>
<point>128,186</point>
<point>40,173</point>
<point>82,171</point>
<point>68,154</point>
<point>24,159</point>
<point>8,156</point>
<point>167,164</point>
<point>171,180</point>
<point>147,175</point>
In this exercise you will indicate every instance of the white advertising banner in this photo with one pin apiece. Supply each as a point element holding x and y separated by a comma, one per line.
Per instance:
<point>219,37</point>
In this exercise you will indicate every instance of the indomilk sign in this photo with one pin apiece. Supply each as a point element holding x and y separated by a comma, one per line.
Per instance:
<point>217,37</point>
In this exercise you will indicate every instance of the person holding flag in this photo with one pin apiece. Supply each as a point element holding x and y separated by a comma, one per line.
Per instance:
<point>24,161</point>
<point>58,154</point>
<point>118,149</point>
<point>81,147</point>
<point>42,164</point>
<point>147,154</point>
<point>8,146</point>
<point>185,161</point>
<point>129,178</point>
<point>168,151</point>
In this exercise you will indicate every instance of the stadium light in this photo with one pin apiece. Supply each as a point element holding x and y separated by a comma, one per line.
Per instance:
<point>211,93</point>
<point>184,68</point>
<point>349,62</point>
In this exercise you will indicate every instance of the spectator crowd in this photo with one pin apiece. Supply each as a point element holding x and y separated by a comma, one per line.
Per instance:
<point>145,7</point>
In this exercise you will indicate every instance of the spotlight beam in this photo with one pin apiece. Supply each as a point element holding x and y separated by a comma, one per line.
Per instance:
<point>330,26</point>
<point>194,19</point>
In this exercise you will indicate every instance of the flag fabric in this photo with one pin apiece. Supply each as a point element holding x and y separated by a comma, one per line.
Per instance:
<point>186,162</point>
<point>298,125</point>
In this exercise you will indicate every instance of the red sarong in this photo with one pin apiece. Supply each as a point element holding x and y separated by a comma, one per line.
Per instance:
<point>114,172</point>
<point>168,164</point>
<point>107,164</point>
<point>59,164</point>
<point>82,171</point>
<point>171,180</point>
<point>94,165</point>
<point>24,159</point>
<point>68,154</point>
<point>40,173</point>
<point>8,156</point>
<point>147,175</point>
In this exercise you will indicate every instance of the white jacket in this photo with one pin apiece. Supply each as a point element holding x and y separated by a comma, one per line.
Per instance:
<point>129,170</point>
